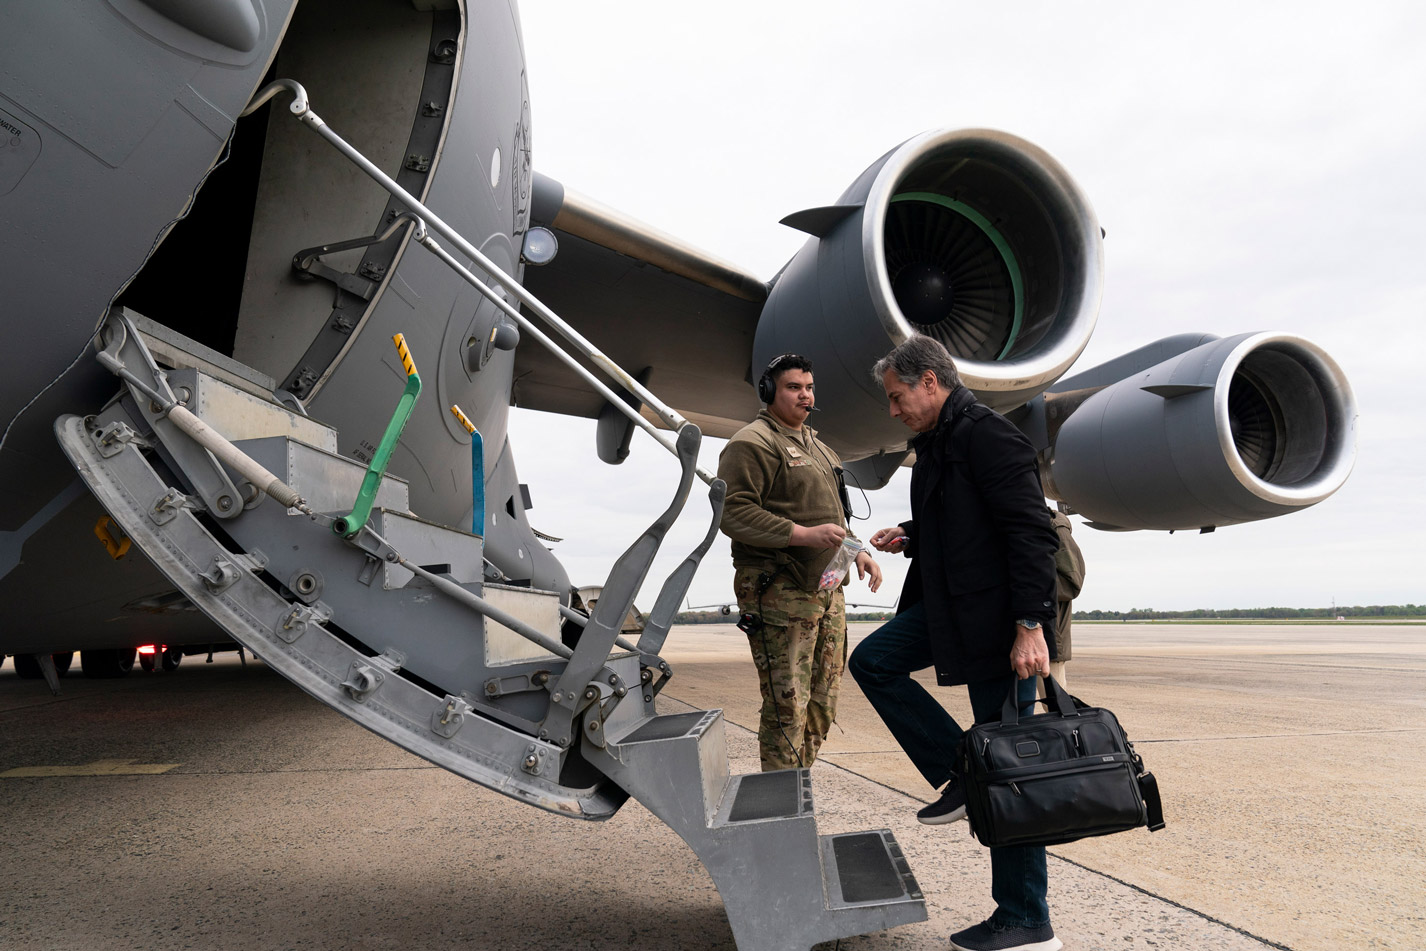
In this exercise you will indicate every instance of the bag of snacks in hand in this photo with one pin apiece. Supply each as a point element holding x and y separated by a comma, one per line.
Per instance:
<point>841,563</point>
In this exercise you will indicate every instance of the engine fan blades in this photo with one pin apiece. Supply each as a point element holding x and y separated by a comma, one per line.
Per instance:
<point>953,276</point>
<point>1255,426</point>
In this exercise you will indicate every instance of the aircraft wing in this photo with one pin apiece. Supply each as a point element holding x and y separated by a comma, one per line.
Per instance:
<point>675,317</point>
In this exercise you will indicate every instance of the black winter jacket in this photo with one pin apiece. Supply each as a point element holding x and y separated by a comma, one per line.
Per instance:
<point>981,540</point>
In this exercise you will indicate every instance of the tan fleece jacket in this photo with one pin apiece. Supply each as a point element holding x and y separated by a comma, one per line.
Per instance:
<point>778,477</point>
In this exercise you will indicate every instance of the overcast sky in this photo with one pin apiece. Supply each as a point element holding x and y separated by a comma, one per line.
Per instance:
<point>1256,167</point>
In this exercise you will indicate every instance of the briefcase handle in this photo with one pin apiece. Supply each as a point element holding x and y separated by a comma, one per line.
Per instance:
<point>1062,701</point>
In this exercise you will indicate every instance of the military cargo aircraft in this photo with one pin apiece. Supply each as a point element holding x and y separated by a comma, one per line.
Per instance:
<point>243,238</point>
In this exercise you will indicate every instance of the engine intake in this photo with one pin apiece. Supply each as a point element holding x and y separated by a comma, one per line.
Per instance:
<point>976,238</point>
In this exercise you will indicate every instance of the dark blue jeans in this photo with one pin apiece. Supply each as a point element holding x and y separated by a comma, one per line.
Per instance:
<point>882,666</point>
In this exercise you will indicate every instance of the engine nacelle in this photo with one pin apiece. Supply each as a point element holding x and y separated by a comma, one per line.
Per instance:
<point>976,238</point>
<point>1239,429</point>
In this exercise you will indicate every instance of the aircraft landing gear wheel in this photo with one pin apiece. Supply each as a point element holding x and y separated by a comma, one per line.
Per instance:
<point>113,662</point>
<point>167,660</point>
<point>27,668</point>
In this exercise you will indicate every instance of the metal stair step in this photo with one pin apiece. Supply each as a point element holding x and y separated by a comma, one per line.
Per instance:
<point>667,727</point>
<point>689,745</point>
<point>786,888</point>
<point>239,414</point>
<point>860,869</point>
<point>757,797</point>
<point>327,481</point>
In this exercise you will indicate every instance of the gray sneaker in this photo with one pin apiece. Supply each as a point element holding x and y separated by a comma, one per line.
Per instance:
<point>951,807</point>
<point>990,935</point>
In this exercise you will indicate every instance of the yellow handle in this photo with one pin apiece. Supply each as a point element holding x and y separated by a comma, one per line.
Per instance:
<point>400,341</point>
<point>117,544</point>
<point>464,421</point>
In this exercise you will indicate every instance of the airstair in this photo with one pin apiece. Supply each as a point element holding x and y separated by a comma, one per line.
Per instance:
<point>247,508</point>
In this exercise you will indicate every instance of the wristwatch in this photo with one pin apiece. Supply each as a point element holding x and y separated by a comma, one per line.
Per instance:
<point>1029,625</point>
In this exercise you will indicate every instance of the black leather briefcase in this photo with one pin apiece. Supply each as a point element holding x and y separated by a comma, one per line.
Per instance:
<point>1054,777</point>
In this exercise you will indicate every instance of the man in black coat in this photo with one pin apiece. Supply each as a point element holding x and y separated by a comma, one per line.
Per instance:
<point>977,604</point>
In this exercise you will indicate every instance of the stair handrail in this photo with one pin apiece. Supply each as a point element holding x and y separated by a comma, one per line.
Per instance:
<point>300,107</point>
<point>675,586</point>
<point>573,691</point>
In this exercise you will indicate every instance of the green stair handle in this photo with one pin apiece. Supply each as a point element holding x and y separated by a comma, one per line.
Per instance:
<point>350,524</point>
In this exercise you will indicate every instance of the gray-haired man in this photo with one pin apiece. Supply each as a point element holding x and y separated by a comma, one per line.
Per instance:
<point>976,605</point>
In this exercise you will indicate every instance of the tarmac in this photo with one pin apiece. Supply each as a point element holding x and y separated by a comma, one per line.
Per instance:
<point>219,807</point>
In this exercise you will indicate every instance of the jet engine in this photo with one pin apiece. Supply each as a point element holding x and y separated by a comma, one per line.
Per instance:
<point>1233,430</point>
<point>976,238</point>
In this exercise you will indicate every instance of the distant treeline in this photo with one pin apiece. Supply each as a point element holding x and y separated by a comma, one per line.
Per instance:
<point>1149,614</point>
<point>1144,614</point>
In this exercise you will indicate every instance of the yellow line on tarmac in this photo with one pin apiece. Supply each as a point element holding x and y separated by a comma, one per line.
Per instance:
<point>102,767</point>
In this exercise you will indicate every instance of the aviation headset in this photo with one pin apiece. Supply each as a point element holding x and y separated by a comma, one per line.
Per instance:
<point>767,386</point>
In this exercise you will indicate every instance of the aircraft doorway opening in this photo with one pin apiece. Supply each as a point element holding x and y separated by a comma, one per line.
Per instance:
<point>193,283</point>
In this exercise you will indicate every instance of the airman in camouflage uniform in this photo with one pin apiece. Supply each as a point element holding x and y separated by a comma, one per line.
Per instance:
<point>784,512</point>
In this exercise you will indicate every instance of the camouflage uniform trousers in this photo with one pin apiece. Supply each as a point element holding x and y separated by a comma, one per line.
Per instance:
<point>800,654</point>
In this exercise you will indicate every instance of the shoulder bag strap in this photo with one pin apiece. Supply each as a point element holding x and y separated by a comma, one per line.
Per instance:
<point>1149,789</point>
